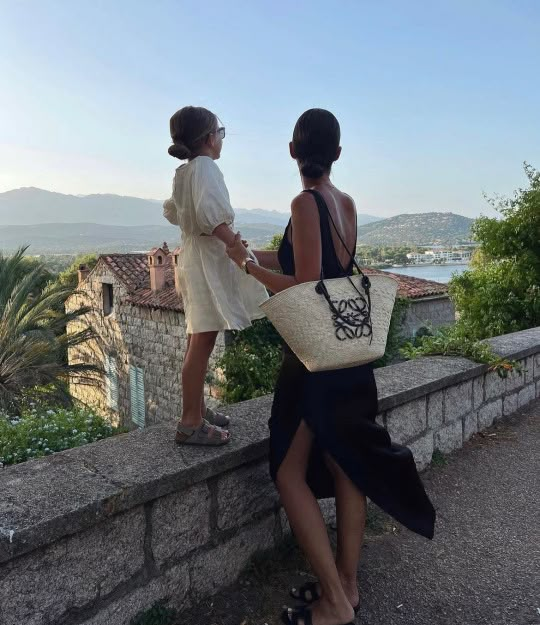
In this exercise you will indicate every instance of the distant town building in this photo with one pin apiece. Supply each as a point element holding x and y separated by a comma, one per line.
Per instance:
<point>439,255</point>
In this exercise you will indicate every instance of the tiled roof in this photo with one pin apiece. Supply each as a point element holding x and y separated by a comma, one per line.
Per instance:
<point>133,271</point>
<point>166,299</point>
<point>410,287</point>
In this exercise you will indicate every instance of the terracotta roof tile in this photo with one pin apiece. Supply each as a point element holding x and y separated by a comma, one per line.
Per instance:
<point>133,271</point>
<point>166,299</point>
<point>410,287</point>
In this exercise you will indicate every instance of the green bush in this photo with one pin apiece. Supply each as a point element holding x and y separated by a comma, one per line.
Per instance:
<point>395,338</point>
<point>250,363</point>
<point>500,293</point>
<point>41,430</point>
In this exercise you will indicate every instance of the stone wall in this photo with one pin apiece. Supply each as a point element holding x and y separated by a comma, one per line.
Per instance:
<point>97,534</point>
<point>154,340</point>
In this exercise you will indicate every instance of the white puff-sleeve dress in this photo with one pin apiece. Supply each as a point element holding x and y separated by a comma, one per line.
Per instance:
<point>217,294</point>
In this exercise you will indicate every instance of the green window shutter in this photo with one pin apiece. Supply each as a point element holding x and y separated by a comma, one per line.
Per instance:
<point>114,384</point>
<point>136,389</point>
<point>111,377</point>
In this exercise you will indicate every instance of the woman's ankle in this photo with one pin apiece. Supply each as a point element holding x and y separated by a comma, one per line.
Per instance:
<point>191,420</point>
<point>350,585</point>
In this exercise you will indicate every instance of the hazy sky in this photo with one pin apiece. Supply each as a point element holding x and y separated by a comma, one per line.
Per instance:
<point>438,100</point>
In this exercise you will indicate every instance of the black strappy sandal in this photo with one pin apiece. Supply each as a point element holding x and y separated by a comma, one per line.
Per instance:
<point>308,593</point>
<point>292,616</point>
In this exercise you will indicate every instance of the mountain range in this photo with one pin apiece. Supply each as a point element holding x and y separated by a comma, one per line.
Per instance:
<point>417,229</point>
<point>30,206</point>
<point>54,223</point>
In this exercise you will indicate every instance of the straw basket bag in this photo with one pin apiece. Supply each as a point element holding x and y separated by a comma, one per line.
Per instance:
<point>335,323</point>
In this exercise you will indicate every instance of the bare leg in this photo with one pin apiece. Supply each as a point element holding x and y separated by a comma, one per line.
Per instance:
<point>351,507</point>
<point>309,528</point>
<point>203,404</point>
<point>200,347</point>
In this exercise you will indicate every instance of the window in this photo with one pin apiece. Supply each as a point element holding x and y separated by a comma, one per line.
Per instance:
<point>136,387</point>
<point>108,299</point>
<point>111,382</point>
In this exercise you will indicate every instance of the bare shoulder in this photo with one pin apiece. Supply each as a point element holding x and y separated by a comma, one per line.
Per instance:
<point>303,203</point>
<point>348,200</point>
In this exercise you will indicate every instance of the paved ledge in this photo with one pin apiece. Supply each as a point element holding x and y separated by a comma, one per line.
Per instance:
<point>63,494</point>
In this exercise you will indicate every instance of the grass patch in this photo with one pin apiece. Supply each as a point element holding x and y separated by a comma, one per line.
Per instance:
<point>378,522</point>
<point>158,614</point>
<point>438,459</point>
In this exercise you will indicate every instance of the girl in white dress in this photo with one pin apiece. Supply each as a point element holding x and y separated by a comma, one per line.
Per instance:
<point>217,295</point>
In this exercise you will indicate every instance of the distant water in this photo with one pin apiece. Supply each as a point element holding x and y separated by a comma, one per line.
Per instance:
<point>438,273</point>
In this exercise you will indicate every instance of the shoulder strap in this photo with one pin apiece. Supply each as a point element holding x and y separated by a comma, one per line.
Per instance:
<point>321,203</point>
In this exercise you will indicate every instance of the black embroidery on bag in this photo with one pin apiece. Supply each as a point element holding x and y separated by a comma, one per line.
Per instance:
<point>351,316</point>
<point>352,320</point>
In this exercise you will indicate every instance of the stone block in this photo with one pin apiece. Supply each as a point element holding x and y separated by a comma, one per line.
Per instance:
<point>449,437</point>
<point>170,589</point>
<point>180,522</point>
<point>510,404</point>
<point>380,419</point>
<point>489,413</point>
<point>435,410</point>
<point>458,401</point>
<point>243,493</point>
<point>494,386</point>
<point>40,586</point>
<point>478,392</point>
<point>528,370</point>
<point>284,525</point>
<point>210,569</point>
<point>407,421</point>
<point>516,379</point>
<point>422,449</point>
<point>328,510</point>
<point>538,389</point>
<point>536,366</point>
<point>526,395</point>
<point>470,425</point>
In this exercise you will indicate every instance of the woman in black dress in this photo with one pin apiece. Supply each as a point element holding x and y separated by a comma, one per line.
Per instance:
<point>324,441</point>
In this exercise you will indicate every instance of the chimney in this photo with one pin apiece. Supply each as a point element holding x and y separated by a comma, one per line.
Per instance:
<point>157,261</point>
<point>176,259</point>
<point>83,273</point>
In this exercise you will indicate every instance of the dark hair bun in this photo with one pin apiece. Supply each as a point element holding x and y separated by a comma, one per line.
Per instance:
<point>189,128</point>
<point>316,139</point>
<point>310,169</point>
<point>179,150</point>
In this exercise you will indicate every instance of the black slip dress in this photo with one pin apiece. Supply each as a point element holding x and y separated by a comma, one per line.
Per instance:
<point>340,408</point>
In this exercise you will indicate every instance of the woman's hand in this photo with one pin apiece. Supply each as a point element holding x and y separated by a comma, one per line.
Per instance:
<point>238,252</point>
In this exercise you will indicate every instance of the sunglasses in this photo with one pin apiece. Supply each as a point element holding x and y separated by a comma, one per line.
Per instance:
<point>220,131</point>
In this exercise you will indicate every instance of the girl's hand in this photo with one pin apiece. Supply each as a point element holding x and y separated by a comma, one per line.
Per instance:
<point>237,252</point>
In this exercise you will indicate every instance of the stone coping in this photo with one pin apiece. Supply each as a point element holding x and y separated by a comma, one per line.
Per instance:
<point>67,492</point>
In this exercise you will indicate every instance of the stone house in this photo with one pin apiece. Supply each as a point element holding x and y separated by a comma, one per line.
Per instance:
<point>429,303</point>
<point>140,338</point>
<point>138,318</point>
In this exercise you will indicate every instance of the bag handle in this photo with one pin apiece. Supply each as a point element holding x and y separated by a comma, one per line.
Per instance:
<point>366,283</point>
